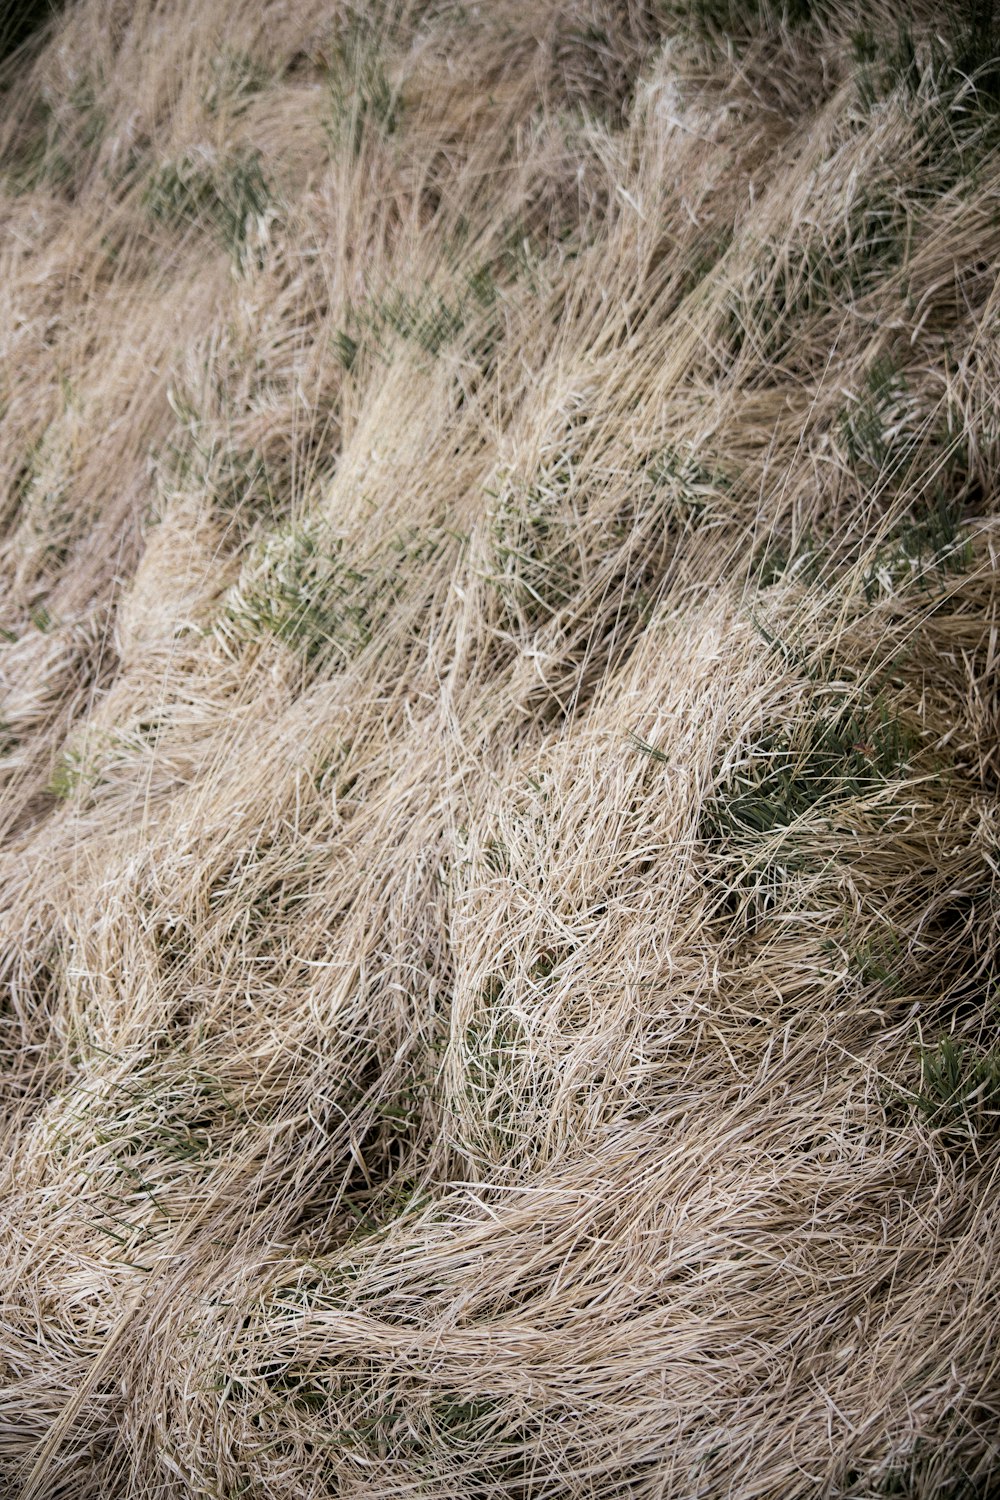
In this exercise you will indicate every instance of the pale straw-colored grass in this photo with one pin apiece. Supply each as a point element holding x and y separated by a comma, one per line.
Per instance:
<point>500,713</point>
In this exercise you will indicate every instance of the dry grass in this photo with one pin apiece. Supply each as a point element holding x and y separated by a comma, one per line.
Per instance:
<point>499,785</point>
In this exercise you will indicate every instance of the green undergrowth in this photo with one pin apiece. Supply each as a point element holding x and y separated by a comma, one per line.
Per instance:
<point>44,503</point>
<point>959,1092</point>
<point>912,469</point>
<point>947,80</point>
<point>70,773</point>
<point>878,961</point>
<point>533,562</point>
<point>364,102</point>
<point>541,551</point>
<point>427,319</point>
<point>838,753</point>
<point>922,547</point>
<point>198,190</point>
<point>830,759</point>
<point>305,592</point>
<point>92,758</point>
<point>236,78</point>
<point>252,486</point>
<point>56,140</point>
<point>451,1430</point>
<point>957,62</point>
<point>729,23</point>
<point>245,485</point>
<point>817,276</point>
<point>243,481</point>
<point>179,1117</point>
<point>307,588</point>
<point>418,1428</point>
<point>893,444</point>
<point>133,1139</point>
<point>918,551</point>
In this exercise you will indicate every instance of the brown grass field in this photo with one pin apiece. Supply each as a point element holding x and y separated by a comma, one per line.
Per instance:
<point>500,751</point>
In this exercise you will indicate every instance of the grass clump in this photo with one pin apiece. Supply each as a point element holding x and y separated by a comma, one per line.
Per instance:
<point>925,545</point>
<point>686,487</point>
<point>959,63</point>
<point>71,773</point>
<point>237,78</point>
<point>814,277</point>
<point>872,424</point>
<point>306,587</point>
<point>896,456</point>
<point>947,78</point>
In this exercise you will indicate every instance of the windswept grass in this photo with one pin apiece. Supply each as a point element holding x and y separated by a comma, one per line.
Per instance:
<point>499,840</point>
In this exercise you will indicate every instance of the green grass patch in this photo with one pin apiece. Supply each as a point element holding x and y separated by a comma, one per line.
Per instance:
<point>305,587</point>
<point>916,472</point>
<point>734,22</point>
<point>890,452</point>
<point>685,488</point>
<point>495,1047</point>
<point>879,962</point>
<point>364,103</point>
<point>148,1120</point>
<point>472,1436</point>
<point>840,754</point>
<point>815,278</point>
<point>72,772</point>
<point>225,196</point>
<point>56,141</point>
<point>828,756</point>
<point>533,564</point>
<point>240,481</point>
<point>873,427</point>
<point>925,545</point>
<point>427,319</point>
<point>305,592</point>
<point>958,64</point>
<point>959,1092</point>
<point>84,766</point>
<point>947,80</point>
<point>236,79</point>
<point>778,560</point>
